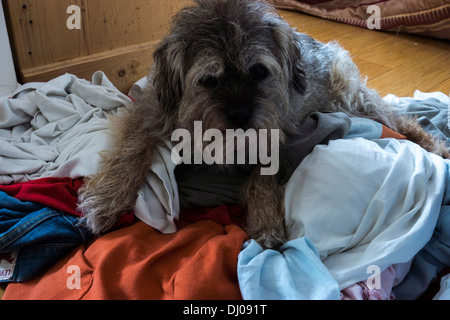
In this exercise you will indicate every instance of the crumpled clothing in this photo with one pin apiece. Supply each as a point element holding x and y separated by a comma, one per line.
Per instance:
<point>444,291</point>
<point>430,109</point>
<point>379,285</point>
<point>33,237</point>
<point>430,260</point>
<point>138,262</point>
<point>385,225</point>
<point>56,128</point>
<point>57,193</point>
<point>59,128</point>
<point>293,273</point>
<point>257,282</point>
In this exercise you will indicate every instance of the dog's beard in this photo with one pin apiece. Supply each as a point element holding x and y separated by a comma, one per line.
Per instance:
<point>229,149</point>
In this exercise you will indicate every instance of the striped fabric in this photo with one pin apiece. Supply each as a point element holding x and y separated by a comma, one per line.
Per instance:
<point>425,17</point>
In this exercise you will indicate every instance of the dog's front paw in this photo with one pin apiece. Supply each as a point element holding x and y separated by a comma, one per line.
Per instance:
<point>446,154</point>
<point>97,210</point>
<point>271,240</point>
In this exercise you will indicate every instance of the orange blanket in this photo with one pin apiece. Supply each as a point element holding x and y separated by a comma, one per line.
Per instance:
<point>138,262</point>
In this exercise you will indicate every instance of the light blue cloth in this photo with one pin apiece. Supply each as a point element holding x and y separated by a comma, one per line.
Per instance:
<point>444,292</point>
<point>432,115</point>
<point>364,128</point>
<point>293,273</point>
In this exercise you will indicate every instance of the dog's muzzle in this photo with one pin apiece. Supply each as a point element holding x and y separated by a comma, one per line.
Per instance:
<point>240,116</point>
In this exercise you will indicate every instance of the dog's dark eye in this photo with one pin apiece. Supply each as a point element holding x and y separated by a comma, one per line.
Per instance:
<point>258,72</point>
<point>209,81</point>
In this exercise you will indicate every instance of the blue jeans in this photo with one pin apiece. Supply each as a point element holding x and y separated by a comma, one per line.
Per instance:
<point>33,237</point>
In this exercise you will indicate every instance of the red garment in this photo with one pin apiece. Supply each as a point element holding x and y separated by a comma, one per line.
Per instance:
<point>224,215</point>
<point>57,193</point>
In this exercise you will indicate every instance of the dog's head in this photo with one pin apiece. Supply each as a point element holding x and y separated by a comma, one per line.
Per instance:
<point>229,64</point>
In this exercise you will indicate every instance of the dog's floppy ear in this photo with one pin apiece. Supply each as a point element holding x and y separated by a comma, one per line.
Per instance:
<point>168,72</point>
<point>289,52</point>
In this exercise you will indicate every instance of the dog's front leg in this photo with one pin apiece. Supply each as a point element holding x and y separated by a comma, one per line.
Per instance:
<point>264,200</point>
<point>113,190</point>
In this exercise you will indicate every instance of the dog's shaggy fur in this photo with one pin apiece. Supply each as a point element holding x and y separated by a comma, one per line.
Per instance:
<point>233,64</point>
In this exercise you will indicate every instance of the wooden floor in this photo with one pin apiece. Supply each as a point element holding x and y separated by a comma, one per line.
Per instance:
<point>393,63</point>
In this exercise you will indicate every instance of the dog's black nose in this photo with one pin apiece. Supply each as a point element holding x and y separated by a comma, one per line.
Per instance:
<point>240,116</point>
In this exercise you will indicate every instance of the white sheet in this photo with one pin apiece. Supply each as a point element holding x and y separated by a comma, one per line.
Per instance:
<point>56,128</point>
<point>364,203</point>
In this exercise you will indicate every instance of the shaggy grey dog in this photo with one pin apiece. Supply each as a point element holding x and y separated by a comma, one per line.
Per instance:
<point>233,64</point>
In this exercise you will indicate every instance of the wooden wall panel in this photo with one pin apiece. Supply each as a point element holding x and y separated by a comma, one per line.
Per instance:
<point>116,36</point>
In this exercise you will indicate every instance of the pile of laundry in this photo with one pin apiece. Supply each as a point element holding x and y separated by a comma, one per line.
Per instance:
<point>368,211</point>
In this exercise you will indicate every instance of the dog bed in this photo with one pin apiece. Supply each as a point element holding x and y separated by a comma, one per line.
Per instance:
<point>428,18</point>
<point>368,211</point>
